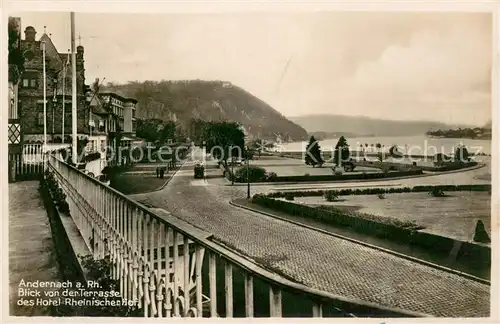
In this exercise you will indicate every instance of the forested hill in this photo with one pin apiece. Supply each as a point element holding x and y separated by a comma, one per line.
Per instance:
<point>183,101</point>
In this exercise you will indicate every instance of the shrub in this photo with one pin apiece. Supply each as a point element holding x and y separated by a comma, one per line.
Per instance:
<point>270,176</point>
<point>56,193</point>
<point>100,272</point>
<point>255,174</point>
<point>436,192</point>
<point>331,195</point>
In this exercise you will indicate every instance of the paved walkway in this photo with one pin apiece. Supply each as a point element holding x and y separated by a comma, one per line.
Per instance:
<point>31,249</point>
<point>319,260</point>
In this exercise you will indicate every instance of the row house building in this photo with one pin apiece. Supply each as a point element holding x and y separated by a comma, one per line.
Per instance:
<point>100,117</point>
<point>111,114</point>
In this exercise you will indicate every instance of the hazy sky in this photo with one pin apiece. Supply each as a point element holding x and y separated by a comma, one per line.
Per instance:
<point>390,65</point>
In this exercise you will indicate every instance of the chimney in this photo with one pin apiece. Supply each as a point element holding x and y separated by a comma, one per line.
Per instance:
<point>79,58</point>
<point>29,34</point>
<point>79,51</point>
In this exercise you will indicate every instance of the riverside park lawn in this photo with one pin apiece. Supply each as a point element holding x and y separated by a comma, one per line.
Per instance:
<point>296,167</point>
<point>129,184</point>
<point>453,216</point>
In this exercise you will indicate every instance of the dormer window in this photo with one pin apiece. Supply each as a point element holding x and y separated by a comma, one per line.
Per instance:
<point>30,80</point>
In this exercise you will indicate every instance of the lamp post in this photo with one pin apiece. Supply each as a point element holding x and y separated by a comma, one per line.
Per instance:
<point>54,104</point>
<point>74,99</point>
<point>64,95</point>
<point>248,173</point>
<point>44,100</point>
<point>232,169</point>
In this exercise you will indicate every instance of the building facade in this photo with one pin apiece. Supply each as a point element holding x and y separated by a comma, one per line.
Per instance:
<point>103,120</point>
<point>31,91</point>
<point>125,111</point>
<point>14,130</point>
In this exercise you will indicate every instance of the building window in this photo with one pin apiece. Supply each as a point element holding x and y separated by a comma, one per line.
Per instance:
<point>30,80</point>
<point>39,120</point>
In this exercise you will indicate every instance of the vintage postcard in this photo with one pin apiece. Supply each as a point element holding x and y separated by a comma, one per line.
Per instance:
<point>251,163</point>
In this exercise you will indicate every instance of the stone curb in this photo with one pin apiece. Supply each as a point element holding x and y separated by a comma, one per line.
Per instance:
<point>404,256</point>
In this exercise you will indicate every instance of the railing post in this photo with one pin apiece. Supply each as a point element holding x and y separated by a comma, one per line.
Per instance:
<point>138,263</point>
<point>317,309</point>
<point>153,274</point>
<point>175,272</point>
<point>248,295</point>
<point>185,250</point>
<point>199,265</point>
<point>159,271</point>
<point>274,301</point>
<point>169,285</point>
<point>145,262</point>
<point>228,282</point>
<point>125,247</point>
<point>213,284</point>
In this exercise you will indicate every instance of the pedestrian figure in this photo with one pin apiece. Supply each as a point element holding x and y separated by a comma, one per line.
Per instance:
<point>161,173</point>
<point>157,172</point>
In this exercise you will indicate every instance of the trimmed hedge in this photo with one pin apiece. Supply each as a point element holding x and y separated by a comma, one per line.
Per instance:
<point>386,227</point>
<point>378,191</point>
<point>382,227</point>
<point>343,177</point>
<point>451,166</point>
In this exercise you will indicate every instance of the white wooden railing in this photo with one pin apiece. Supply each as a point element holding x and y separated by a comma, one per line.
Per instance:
<point>171,271</point>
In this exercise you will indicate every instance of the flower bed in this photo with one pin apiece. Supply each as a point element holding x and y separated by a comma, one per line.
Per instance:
<point>451,166</point>
<point>378,191</point>
<point>386,227</point>
<point>344,177</point>
<point>56,193</point>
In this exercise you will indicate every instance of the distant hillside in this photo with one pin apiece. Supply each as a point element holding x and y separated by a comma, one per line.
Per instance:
<point>365,125</point>
<point>329,135</point>
<point>182,101</point>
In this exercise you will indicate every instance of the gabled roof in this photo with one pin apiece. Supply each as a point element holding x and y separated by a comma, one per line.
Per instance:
<point>51,51</point>
<point>97,105</point>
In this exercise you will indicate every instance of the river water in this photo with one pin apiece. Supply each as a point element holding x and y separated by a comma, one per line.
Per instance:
<point>413,145</point>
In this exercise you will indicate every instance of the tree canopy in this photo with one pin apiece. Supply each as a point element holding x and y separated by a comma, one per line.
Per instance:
<point>224,140</point>
<point>156,130</point>
<point>461,154</point>
<point>15,56</point>
<point>341,153</point>
<point>313,153</point>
